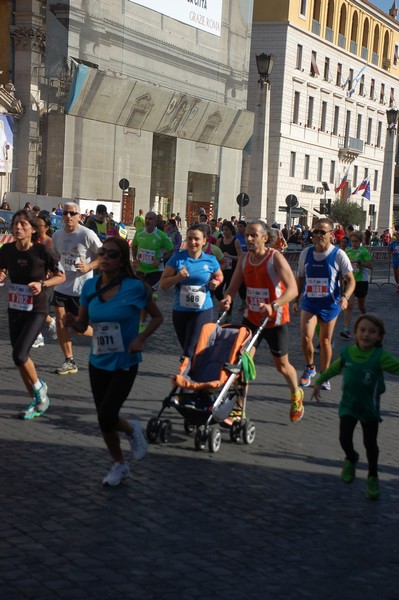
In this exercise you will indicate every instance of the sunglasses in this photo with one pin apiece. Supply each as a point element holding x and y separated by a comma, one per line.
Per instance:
<point>111,253</point>
<point>71,213</point>
<point>320,231</point>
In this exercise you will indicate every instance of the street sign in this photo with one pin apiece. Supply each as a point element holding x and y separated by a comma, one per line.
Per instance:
<point>291,201</point>
<point>297,212</point>
<point>242,199</point>
<point>124,184</point>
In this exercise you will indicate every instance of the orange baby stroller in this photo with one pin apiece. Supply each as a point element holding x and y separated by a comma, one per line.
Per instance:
<point>211,389</point>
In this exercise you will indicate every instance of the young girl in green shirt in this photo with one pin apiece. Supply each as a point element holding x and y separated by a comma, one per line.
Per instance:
<point>363,364</point>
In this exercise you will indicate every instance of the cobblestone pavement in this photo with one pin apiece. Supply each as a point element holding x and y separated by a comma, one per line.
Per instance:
<point>270,520</point>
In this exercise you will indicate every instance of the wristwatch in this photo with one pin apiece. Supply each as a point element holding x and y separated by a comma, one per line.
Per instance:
<point>346,296</point>
<point>275,305</point>
<point>43,283</point>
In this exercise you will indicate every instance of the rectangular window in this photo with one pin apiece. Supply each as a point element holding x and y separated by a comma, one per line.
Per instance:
<point>309,122</point>
<point>361,86</point>
<point>320,169</point>
<point>292,164</point>
<point>314,69</point>
<point>382,94</point>
<point>359,127</point>
<point>302,9</point>
<point>297,98</point>
<point>369,130</point>
<point>339,75</point>
<point>336,120</point>
<point>379,133</point>
<point>366,173</point>
<point>375,184</point>
<point>326,69</point>
<point>332,171</point>
<point>306,166</point>
<point>299,54</point>
<point>392,97</point>
<point>372,89</point>
<point>323,121</point>
<point>355,175</point>
<point>348,125</point>
<point>350,79</point>
<point>395,55</point>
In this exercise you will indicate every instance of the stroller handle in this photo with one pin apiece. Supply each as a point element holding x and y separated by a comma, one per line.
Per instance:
<point>254,339</point>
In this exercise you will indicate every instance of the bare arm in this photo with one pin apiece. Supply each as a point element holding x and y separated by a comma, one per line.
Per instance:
<point>171,277</point>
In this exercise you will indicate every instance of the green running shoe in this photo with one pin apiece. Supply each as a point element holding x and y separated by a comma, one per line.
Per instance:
<point>373,488</point>
<point>349,470</point>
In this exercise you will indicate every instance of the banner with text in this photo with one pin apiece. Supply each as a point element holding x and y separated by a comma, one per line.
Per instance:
<point>202,14</point>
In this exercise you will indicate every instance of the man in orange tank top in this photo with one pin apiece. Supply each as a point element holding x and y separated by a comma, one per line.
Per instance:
<point>270,286</point>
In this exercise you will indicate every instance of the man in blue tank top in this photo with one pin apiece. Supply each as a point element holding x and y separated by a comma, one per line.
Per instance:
<point>320,269</point>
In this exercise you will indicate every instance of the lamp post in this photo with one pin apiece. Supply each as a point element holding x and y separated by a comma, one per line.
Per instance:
<point>258,181</point>
<point>385,211</point>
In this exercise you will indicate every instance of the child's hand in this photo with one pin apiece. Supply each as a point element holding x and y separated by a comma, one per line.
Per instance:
<point>316,393</point>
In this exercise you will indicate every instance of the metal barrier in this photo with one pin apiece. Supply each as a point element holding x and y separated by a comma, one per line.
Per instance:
<point>380,273</point>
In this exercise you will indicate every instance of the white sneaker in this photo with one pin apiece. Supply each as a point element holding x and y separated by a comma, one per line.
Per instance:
<point>138,443</point>
<point>52,328</point>
<point>39,341</point>
<point>117,474</point>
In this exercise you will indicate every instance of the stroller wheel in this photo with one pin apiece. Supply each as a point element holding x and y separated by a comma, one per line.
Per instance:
<point>152,429</point>
<point>235,432</point>
<point>188,427</point>
<point>214,439</point>
<point>249,432</point>
<point>199,440</point>
<point>165,431</point>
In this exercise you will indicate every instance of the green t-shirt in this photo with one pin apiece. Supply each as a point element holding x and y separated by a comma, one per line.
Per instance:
<point>363,381</point>
<point>151,248</point>
<point>356,256</point>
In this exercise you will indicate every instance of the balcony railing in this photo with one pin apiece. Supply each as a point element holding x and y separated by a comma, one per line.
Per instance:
<point>329,34</point>
<point>374,58</point>
<point>350,147</point>
<point>315,27</point>
<point>365,53</point>
<point>353,47</point>
<point>341,41</point>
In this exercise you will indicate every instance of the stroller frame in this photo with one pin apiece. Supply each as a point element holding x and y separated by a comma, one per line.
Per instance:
<point>203,413</point>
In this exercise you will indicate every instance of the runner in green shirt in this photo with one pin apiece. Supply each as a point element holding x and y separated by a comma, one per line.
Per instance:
<point>361,261</point>
<point>363,365</point>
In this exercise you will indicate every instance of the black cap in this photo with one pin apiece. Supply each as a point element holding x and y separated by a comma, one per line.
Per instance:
<point>101,208</point>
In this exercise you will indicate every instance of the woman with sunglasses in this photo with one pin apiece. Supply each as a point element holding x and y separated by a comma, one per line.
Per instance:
<point>112,302</point>
<point>320,269</point>
<point>32,270</point>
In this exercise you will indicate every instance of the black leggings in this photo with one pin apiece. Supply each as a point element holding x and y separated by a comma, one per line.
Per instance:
<point>370,432</point>
<point>110,390</point>
<point>24,327</point>
<point>188,325</point>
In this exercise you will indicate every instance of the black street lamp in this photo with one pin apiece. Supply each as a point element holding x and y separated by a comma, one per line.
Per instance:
<point>264,63</point>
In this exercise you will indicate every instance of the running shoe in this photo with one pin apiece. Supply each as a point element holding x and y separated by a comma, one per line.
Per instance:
<point>307,375</point>
<point>345,333</point>
<point>326,385</point>
<point>137,441</point>
<point>68,368</point>
<point>29,412</point>
<point>52,328</point>
<point>373,487</point>
<point>117,474</point>
<point>39,341</point>
<point>297,410</point>
<point>349,470</point>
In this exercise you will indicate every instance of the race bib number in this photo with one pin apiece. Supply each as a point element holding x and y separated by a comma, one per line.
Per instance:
<point>146,257</point>
<point>256,297</point>
<point>69,260</point>
<point>192,296</point>
<point>228,263</point>
<point>107,338</point>
<point>20,297</point>
<point>317,287</point>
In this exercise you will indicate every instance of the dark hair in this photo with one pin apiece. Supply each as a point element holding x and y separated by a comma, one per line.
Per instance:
<point>44,216</point>
<point>379,323</point>
<point>229,226</point>
<point>124,248</point>
<point>27,215</point>
<point>202,227</point>
<point>241,222</point>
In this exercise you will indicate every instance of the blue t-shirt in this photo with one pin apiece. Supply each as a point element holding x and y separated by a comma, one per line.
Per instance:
<point>243,242</point>
<point>192,294</point>
<point>394,248</point>
<point>119,318</point>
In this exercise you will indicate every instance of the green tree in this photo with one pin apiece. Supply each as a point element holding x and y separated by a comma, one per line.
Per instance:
<point>348,213</point>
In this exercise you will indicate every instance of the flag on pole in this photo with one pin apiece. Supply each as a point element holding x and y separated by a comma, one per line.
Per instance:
<point>343,182</point>
<point>356,81</point>
<point>367,191</point>
<point>362,186</point>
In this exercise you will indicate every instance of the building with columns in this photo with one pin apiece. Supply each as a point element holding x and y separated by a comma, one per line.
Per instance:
<point>151,92</point>
<point>335,76</point>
